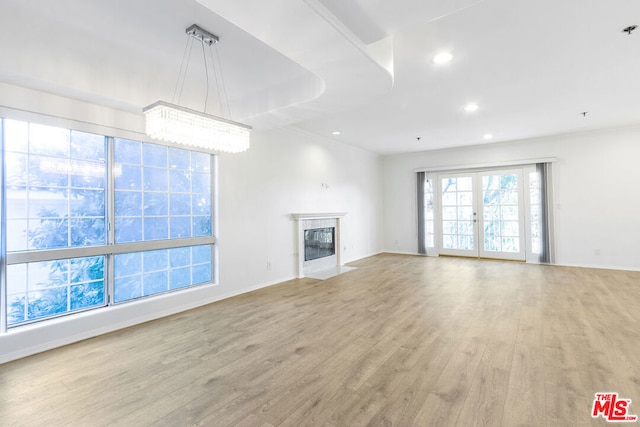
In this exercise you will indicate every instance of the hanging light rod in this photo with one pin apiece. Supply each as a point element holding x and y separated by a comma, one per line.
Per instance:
<point>201,34</point>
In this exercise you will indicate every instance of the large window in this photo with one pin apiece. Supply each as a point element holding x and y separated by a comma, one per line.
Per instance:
<point>93,220</point>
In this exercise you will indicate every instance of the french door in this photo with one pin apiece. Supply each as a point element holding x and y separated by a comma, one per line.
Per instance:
<point>482,214</point>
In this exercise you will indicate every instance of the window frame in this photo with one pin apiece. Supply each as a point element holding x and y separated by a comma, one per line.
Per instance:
<point>110,249</point>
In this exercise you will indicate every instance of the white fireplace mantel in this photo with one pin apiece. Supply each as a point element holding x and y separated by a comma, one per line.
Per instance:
<point>306,221</point>
<point>299,216</point>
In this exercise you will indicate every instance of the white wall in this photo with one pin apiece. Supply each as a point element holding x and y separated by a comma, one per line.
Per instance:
<point>596,180</point>
<point>282,173</point>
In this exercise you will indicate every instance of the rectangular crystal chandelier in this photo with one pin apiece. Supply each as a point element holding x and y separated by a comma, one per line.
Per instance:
<point>173,123</point>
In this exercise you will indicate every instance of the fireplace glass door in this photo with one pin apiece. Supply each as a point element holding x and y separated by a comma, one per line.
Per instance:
<point>319,243</point>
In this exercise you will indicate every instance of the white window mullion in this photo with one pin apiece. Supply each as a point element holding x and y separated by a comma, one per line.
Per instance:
<point>110,221</point>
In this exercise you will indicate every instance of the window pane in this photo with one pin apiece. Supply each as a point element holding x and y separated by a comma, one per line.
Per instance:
<point>465,213</point>
<point>156,204</point>
<point>201,162</point>
<point>450,213</point>
<point>128,230</point>
<point>449,242</point>
<point>201,226</point>
<point>201,183</point>
<point>49,140</point>
<point>17,133</point>
<point>180,277</point>
<point>127,288</point>
<point>156,260</point>
<point>450,227</point>
<point>129,178</point>
<point>155,179</point>
<point>147,273</point>
<point>155,283</point>
<point>128,203</point>
<point>62,201</point>
<point>180,181</point>
<point>86,174</point>
<point>180,204</point>
<point>464,183</point>
<point>180,227</point>
<point>87,295</point>
<point>154,155</point>
<point>201,254</point>
<point>48,233</point>
<point>491,244</point>
<point>46,172</point>
<point>156,228</point>
<point>87,146</point>
<point>45,289</point>
<point>201,273</point>
<point>127,151</point>
<point>180,159</point>
<point>87,231</point>
<point>128,264</point>
<point>17,235</point>
<point>15,169</point>
<point>201,204</point>
<point>466,243</point>
<point>180,257</point>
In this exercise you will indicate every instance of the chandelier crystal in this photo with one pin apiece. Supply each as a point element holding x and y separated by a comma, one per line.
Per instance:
<point>173,123</point>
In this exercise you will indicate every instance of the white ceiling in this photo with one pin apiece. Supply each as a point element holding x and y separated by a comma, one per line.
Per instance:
<point>361,67</point>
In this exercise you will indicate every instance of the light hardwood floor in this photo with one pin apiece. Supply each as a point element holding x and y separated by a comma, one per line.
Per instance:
<point>402,340</point>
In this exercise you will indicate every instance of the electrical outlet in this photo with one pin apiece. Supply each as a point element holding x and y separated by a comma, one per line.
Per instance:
<point>596,251</point>
<point>268,265</point>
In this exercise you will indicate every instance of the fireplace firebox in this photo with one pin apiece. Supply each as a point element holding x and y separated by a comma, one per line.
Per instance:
<point>319,243</point>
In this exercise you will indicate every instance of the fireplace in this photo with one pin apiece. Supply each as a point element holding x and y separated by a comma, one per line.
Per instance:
<point>319,243</point>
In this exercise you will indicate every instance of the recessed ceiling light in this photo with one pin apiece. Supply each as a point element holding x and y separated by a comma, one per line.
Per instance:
<point>471,107</point>
<point>442,58</point>
<point>488,136</point>
<point>336,132</point>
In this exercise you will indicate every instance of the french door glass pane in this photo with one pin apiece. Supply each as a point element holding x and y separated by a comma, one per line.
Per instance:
<point>457,213</point>
<point>500,212</point>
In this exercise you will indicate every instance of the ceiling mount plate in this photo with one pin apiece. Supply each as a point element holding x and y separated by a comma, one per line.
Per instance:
<point>203,35</point>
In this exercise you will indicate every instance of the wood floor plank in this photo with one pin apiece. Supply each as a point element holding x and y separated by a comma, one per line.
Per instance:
<point>400,341</point>
<point>485,400</point>
<point>525,403</point>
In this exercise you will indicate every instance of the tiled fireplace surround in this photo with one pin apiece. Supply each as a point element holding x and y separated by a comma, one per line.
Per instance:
<point>308,221</point>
